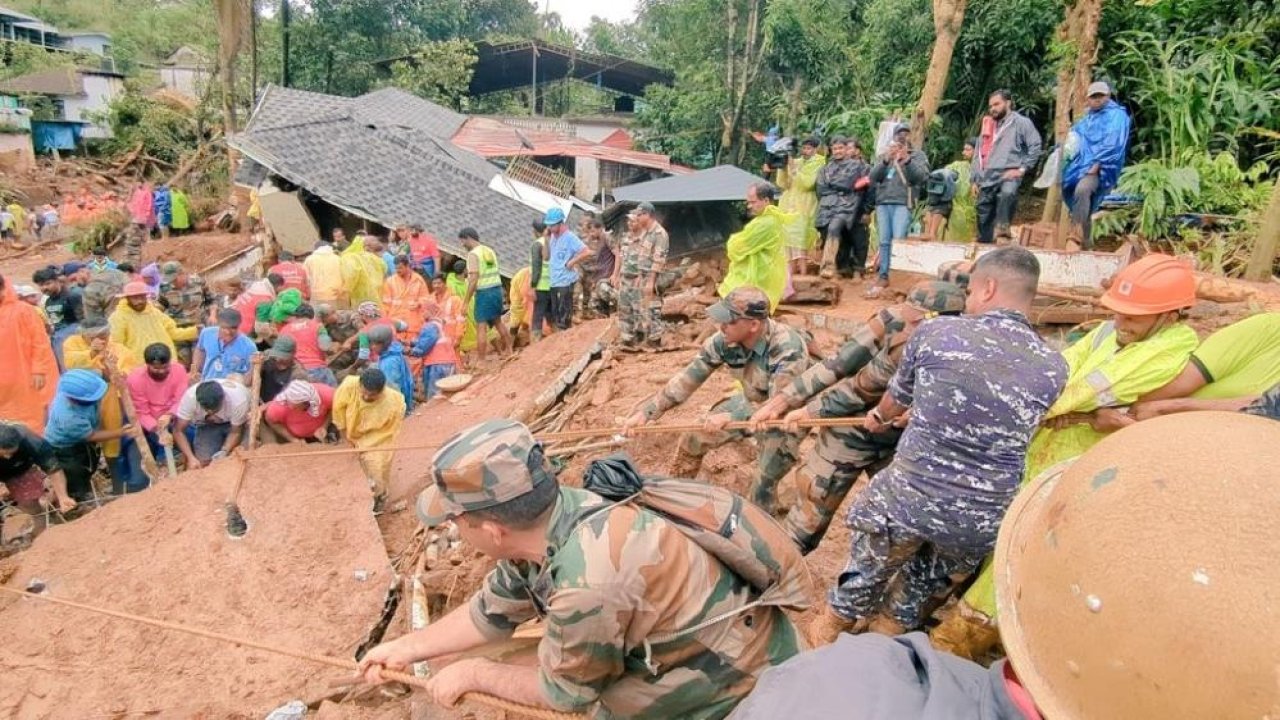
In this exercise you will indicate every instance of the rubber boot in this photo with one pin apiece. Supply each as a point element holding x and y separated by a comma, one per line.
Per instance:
<point>966,633</point>
<point>885,625</point>
<point>829,250</point>
<point>824,629</point>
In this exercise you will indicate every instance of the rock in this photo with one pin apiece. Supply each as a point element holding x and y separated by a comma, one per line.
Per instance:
<point>603,392</point>
<point>1220,289</point>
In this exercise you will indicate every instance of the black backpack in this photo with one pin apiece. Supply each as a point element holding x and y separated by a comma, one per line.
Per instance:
<point>941,185</point>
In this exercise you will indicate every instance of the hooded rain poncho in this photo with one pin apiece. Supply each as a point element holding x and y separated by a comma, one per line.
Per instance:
<point>1100,137</point>
<point>25,353</point>
<point>756,255</point>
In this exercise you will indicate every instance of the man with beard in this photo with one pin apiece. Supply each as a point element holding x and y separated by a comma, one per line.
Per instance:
<point>1008,149</point>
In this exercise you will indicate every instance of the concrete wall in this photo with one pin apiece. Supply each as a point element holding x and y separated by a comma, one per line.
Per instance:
<point>99,91</point>
<point>96,44</point>
<point>188,81</point>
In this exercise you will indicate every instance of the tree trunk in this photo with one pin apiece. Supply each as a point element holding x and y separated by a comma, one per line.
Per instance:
<point>794,107</point>
<point>730,85</point>
<point>253,50</point>
<point>1079,31</point>
<point>746,76</point>
<point>948,17</point>
<point>1263,259</point>
<point>233,20</point>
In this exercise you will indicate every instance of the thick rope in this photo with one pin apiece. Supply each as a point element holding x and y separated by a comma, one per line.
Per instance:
<point>590,433</point>
<point>407,679</point>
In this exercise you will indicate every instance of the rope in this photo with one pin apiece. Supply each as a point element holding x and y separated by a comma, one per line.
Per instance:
<point>407,679</point>
<point>565,435</point>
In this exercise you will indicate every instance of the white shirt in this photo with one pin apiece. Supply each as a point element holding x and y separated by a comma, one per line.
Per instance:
<point>234,410</point>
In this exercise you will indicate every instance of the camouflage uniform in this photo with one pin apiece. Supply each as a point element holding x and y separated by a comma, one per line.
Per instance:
<point>776,360</point>
<point>642,255</point>
<point>1268,405</point>
<point>102,294</point>
<point>187,307</point>
<point>341,326</point>
<point>978,388</point>
<point>617,641</point>
<point>854,379</point>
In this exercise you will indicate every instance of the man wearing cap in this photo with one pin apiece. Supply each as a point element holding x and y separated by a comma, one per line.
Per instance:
<point>313,343</point>
<point>644,255</point>
<point>72,429</point>
<point>64,308</point>
<point>76,275</point>
<point>897,177</point>
<point>369,415</point>
<point>1008,148</point>
<point>92,349</point>
<point>137,322</point>
<point>764,356</point>
<point>848,384</point>
<point>219,412</point>
<point>977,388</point>
<point>1093,158</point>
<point>1143,347</point>
<point>384,344</point>
<point>567,253</point>
<point>183,296</point>
<point>279,368</point>
<point>484,285</point>
<point>223,350</point>
<point>641,622</point>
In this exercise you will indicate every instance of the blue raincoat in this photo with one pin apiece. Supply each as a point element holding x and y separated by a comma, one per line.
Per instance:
<point>1100,137</point>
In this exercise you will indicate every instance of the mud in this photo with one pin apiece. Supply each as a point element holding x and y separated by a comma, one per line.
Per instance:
<point>291,581</point>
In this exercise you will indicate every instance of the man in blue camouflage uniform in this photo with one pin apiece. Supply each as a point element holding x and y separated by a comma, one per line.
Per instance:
<point>765,356</point>
<point>1268,405</point>
<point>848,384</point>
<point>977,388</point>
<point>641,622</point>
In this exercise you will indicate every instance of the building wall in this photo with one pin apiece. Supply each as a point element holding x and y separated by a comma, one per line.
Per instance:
<point>586,178</point>
<point>188,81</point>
<point>96,44</point>
<point>99,91</point>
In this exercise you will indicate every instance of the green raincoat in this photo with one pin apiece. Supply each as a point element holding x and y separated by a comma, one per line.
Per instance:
<point>756,255</point>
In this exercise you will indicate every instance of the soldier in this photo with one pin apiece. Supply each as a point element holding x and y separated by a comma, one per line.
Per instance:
<point>662,630</point>
<point>184,298</point>
<point>977,388</point>
<point>764,356</point>
<point>644,253</point>
<point>857,377</point>
<point>103,293</point>
<point>344,328</point>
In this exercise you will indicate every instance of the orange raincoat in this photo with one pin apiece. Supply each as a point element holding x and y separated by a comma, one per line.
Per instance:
<point>25,354</point>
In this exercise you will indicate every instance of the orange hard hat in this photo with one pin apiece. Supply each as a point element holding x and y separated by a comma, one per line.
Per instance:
<point>1155,284</point>
<point>1138,581</point>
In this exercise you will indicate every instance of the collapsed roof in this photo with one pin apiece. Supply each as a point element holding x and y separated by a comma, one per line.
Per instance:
<point>387,157</point>
<point>718,184</point>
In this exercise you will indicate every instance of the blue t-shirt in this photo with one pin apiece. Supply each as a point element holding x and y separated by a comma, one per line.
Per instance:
<point>69,423</point>
<point>222,360</point>
<point>563,249</point>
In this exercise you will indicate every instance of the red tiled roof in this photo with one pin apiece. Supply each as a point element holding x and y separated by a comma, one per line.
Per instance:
<point>493,138</point>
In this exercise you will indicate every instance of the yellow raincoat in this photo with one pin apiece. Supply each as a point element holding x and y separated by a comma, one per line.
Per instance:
<point>756,255</point>
<point>1101,374</point>
<point>800,197</point>
<point>518,294</point>
<point>324,274</point>
<point>963,223</point>
<point>362,274</point>
<point>77,355</point>
<point>368,425</point>
<point>136,330</point>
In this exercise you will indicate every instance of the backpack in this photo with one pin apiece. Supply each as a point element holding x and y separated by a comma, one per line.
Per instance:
<point>941,185</point>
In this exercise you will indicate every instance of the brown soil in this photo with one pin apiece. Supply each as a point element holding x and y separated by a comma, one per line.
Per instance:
<point>164,553</point>
<point>195,252</point>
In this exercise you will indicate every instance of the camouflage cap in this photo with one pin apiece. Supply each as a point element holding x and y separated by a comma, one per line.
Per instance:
<point>171,270</point>
<point>742,302</point>
<point>480,467</point>
<point>935,296</point>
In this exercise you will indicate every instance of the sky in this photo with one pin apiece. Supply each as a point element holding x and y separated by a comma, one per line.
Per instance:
<point>576,14</point>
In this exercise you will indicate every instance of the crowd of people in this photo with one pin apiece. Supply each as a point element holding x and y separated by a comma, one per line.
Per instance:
<point>152,210</point>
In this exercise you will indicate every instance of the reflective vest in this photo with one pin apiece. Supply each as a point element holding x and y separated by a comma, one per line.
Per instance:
<point>442,353</point>
<point>487,261</point>
<point>544,280</point>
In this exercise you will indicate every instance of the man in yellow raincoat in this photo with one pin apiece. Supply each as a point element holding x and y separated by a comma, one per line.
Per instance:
<point>93,349</point>
<point>362,273</point>
<point>1121,360</point>
<point>369,415</point>
<point>799,196</point>
<point>756,254</point>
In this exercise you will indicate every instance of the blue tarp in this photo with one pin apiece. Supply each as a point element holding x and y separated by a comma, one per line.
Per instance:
<point>49,135</point>
<point>1100,137</point>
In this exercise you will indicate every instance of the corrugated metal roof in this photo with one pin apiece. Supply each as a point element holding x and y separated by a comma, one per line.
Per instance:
<point>720,183</point>
<point>377,157</point>
<point>493,138</point>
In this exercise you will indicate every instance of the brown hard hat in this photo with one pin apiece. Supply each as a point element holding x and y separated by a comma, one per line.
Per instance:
<point>1139,581</point>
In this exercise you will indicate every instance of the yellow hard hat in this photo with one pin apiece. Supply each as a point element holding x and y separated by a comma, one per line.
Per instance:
<point>1140,582</point>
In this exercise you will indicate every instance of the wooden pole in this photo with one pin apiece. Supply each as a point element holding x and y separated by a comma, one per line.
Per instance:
<point>1263,258</point>
<point>255,395</point>
<point>149,466</point>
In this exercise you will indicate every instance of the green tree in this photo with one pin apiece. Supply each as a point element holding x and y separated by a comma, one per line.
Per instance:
<point>440,71</point>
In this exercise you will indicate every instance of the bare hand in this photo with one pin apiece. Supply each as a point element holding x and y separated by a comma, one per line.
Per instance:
<point>902,420</point>
<point>65,503</point>
<point>715,423</point>
<point>630,424</point>
<point>449,684</point>
<point>1149,409</point>
<point>1109,420</point>
<point>874,423</point>
<point>392,655</point>
<point>768,412</point>
<point>1066,420</point>
<point>193,462</point>
<point>37,381</point>
<point>795,417</point>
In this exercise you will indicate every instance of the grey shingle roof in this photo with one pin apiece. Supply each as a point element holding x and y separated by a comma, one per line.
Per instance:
<point>722,182</point>
<point>386,156</point>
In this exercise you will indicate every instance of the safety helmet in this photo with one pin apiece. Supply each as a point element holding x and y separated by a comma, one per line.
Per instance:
<point>936,296</point>
<point>82,385</point>
<point>1138,581</point>
<point>1152,285</point>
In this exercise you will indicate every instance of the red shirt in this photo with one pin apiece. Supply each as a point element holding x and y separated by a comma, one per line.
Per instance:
<point>299,422</point>
<point>423,246</point>
<point>306,336</point>
<point>294,275</point>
